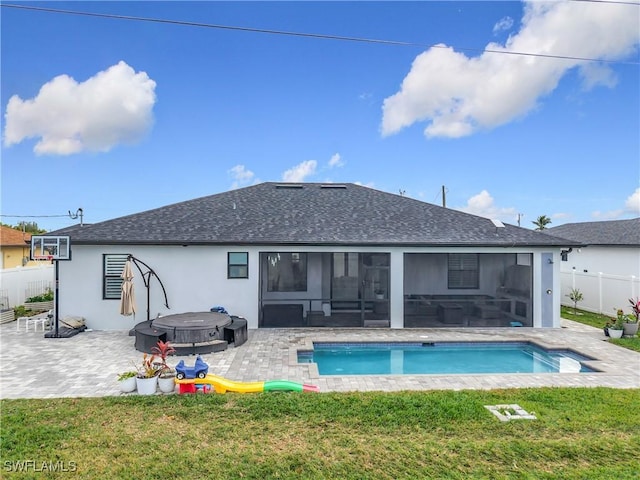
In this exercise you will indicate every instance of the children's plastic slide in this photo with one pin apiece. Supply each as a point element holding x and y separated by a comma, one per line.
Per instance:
<point>224,385</point>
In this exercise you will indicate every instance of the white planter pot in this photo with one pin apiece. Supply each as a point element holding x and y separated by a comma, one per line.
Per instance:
<point>146,386</point>
<point>615,333</point>
<point>127,385</point>
<point>167,385</point>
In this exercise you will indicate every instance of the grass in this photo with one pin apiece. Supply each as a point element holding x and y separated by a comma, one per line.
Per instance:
<point>599,321</point>
<point>580,433</point>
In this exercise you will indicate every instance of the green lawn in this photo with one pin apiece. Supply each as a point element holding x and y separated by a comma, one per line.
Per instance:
<point>599,321</point>
<point>591,433</point>
<point>588,318</point>
<point>580,433</point>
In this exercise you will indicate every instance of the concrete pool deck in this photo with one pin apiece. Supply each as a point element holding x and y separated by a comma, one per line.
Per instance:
<point>87,364</point>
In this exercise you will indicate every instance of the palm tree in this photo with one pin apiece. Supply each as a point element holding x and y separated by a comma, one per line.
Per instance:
<point>541,222</point>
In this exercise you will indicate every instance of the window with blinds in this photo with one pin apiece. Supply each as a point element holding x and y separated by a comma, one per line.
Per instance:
<point>113,264</point>
<point>463,270</point>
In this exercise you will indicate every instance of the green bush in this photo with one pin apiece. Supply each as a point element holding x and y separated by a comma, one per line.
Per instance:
<point>45,297</point>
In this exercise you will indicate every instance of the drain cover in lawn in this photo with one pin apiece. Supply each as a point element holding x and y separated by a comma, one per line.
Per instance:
<point>513,411</point>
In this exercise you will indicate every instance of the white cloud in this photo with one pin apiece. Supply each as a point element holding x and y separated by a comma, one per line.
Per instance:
<point>300,171</point>
<point>336,161</point>
<point>504,24</point>
<point>632,204</point>
<point>241,176</point>
<point>483,205</point>
<point>457,95</point>
<point>610,215</point>
<point>113,107</point>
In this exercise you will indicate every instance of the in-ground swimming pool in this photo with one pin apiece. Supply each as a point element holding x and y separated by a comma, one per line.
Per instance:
<point>440,358</point>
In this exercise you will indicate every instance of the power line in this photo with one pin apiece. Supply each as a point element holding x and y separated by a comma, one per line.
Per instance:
<point>316,35</point>
<point>608,1</point>
<point>33,216</point>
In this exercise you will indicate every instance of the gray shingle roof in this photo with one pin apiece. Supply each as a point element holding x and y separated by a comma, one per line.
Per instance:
<point>612,232</point>
<point>308,213</point>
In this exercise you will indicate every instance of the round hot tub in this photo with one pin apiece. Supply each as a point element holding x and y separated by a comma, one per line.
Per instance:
<point>189,333</point>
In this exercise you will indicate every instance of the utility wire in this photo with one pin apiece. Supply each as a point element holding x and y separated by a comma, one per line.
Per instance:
<point>608,1</point>
<point>33,216</point>
<point>313,35</point>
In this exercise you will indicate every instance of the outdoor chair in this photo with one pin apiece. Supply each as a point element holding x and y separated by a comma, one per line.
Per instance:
<point>42,319</point>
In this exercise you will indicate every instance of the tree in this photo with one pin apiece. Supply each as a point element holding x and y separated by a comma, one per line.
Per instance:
<point>30,227</point>
<point>541,222</point>
<point>575,296</point>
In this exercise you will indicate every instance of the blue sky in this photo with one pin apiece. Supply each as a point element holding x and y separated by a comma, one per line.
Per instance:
<point>119,116</point>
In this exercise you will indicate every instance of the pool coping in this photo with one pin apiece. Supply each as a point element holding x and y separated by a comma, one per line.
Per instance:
<point>589,361</point>
<point>600,366</point>
<point>59,367</point>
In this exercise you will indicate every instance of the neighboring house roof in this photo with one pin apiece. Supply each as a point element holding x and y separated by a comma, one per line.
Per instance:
<point>609,233</point>
<point>305,214</point>
<point>10,237</point>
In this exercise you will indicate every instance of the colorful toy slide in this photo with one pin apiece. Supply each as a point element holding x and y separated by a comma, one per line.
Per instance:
<point>224,385</point>
<point>197,379</point>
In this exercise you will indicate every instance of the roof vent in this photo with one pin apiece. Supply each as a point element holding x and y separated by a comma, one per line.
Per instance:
<point>333,185</point>
<point>288,186</point>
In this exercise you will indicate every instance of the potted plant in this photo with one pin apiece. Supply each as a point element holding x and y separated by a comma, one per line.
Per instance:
<point>167,376</point>
<point>127,381</point>
<point>615,327</point>
<point>147,375</point>
<point>631,323</point>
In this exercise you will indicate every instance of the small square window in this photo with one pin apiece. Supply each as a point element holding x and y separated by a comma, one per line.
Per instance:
<point>238,265</point>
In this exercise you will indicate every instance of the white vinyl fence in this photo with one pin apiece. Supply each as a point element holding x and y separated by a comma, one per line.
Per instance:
<point>602,293</point>
<point>18,284</point>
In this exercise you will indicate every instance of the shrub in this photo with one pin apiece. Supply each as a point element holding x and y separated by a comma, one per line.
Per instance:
<point>47,296</point>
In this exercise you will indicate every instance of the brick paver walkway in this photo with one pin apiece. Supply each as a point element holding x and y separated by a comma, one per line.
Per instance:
<point>87,365</point>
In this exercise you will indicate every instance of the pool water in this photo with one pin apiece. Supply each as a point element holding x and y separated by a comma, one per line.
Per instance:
<point>440,358</point>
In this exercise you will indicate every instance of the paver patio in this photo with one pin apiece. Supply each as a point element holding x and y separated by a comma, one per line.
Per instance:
<point>87,364</point>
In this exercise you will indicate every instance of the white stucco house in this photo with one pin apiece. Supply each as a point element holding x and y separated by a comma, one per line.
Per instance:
<point>611,247</point>
<point>310,254</point>
<point>607,268</point>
